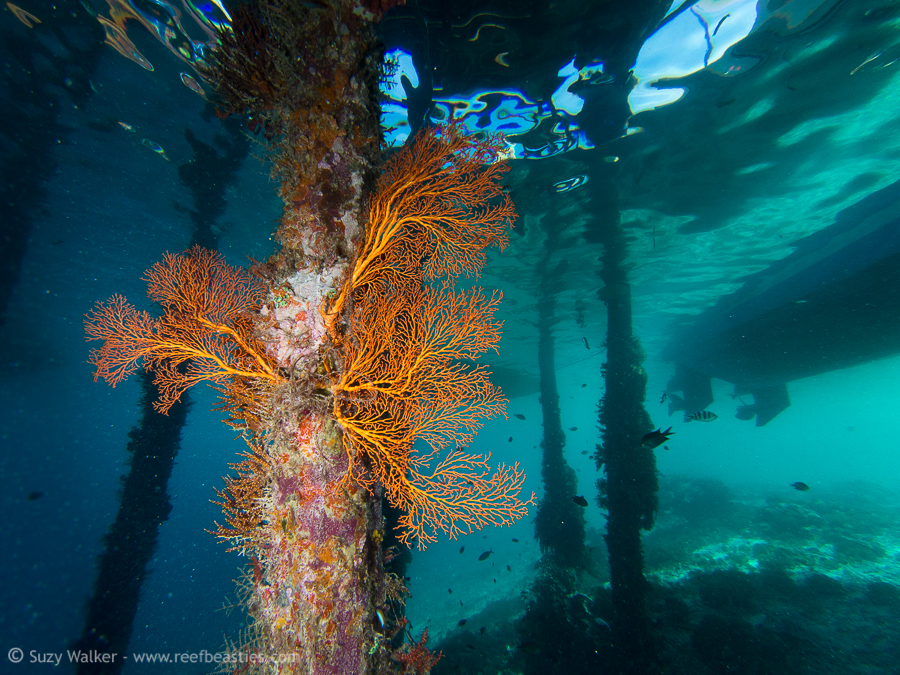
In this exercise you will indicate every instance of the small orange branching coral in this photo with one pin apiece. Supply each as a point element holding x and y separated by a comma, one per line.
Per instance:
<point>205,332</point>
<point>242,499</point>
<point>416,657</point>
<point>407,371</point>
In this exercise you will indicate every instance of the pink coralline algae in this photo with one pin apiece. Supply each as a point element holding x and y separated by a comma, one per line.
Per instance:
<point>297,327</point>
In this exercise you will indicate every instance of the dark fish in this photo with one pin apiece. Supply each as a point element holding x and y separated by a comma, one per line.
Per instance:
<point>516,541</point>
<point>481,630</point>
<point>462,622</point>
<point>586,345</point>
<point>472,647</point>
<point>656,438</point>
<point>495,581</point>
<point>56,242</point>
<point>573,428</point>
<point>510,439</point>
<point>485,555</point>
<point>584,452</point>
<point>450,591</point>
<point>530,648</point>
<point>719,25</point>
<point>702,416</point>
<point>663,399</point>
<point>37,494</point>
<point>803,487</point>
<point>578,499</point>
<point>520,416</point>
<point>462,549</point>
<point>584,385</point>
<point>508,568</point>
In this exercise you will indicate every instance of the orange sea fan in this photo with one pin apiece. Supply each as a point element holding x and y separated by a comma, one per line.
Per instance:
<point>203,334</point>
<point>438,206</point>
<point>404,381</point>
<point>408,372</point>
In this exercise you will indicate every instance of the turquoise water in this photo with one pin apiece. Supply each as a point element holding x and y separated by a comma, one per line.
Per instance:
<point>742,129</point>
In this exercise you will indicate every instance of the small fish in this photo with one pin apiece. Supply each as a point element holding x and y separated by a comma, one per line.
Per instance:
<point>485,555</point>
<point>584,452</point>
<point>584,385</point>
<point>586,345</point>
<point>33,496</point>
<point>573,428</point>
<point>520,416</point>
<point>664,396</point>
<point>450,591</point>
<point>581,501</point>
<point>495,581</point>
<point>530,648</point>
<point>481,630</point>
<point>462,622</point>
<point>665,447</point>
<point>656,438</point>
<point>462,549</point>
<point>460,603</point>
<point>516,541</point>
<point>510,439</point>
<point>802,487</point>
<point>508,568</point>
<point>126,127</point>
<point>702,416</point>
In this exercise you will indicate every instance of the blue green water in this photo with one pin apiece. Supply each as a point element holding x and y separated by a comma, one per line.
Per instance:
<point>742,128</point>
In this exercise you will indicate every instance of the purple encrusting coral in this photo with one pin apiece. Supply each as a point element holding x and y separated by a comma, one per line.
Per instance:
<point>285,486</point>
<point>314,591</point>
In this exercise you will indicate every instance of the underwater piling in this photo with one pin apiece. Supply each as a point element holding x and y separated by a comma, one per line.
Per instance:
<point>629,489</point>
<point>305,77</point>
<point>130,543</point>
<point>559,524</point>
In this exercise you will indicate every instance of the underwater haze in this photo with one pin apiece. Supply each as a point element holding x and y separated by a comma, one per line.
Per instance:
<point>707,246</point>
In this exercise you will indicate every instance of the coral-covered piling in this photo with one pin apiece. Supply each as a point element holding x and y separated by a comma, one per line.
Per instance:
<point>306,75</point>
<point>352,346</point>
